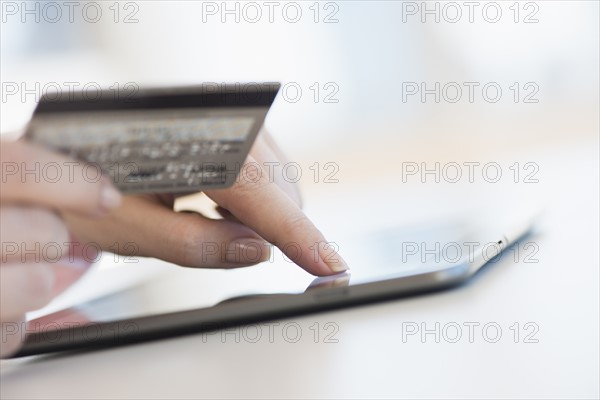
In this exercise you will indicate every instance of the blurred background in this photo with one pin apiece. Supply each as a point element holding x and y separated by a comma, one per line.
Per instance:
<point>368,87</point>
<point>366,50</point>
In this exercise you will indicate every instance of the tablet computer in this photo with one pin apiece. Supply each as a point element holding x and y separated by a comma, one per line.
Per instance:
<point>385,264</point>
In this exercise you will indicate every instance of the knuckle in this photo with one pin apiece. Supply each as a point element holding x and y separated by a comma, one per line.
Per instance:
<point>252,177</point>
<point>185,235</point>
<point>245,187</point>
<point>190,251</point>
<point>296,225</point>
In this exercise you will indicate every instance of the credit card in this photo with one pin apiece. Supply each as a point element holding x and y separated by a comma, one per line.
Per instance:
<point>175,140</point>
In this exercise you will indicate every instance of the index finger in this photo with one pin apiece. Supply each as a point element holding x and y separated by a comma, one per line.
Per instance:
<point>33,175</point>
<point>270,212</point>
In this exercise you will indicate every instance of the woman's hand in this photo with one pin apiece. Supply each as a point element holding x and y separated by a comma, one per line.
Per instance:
<point>39,257</point>
<point>257,210</point>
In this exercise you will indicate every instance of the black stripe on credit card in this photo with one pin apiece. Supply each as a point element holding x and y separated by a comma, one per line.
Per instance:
<point>200,96</point>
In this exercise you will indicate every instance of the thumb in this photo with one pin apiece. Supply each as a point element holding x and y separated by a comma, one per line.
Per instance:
<point>33,175</point>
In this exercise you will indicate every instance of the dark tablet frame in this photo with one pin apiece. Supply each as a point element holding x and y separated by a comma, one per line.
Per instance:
<point>257,308</point>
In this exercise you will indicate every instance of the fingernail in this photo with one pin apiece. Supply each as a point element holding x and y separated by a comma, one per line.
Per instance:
<point>333,260</point>
<point>245,251</point>
<point>109,195</point>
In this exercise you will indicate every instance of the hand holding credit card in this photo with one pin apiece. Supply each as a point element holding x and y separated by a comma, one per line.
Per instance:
<point>172,142</point>
<point>159,143</point>
<point>158,140</point>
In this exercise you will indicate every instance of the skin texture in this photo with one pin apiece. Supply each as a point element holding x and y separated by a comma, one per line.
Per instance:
<point>42,217</point>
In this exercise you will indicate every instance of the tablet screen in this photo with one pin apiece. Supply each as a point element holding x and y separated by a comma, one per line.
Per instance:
<point>373,256</point>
